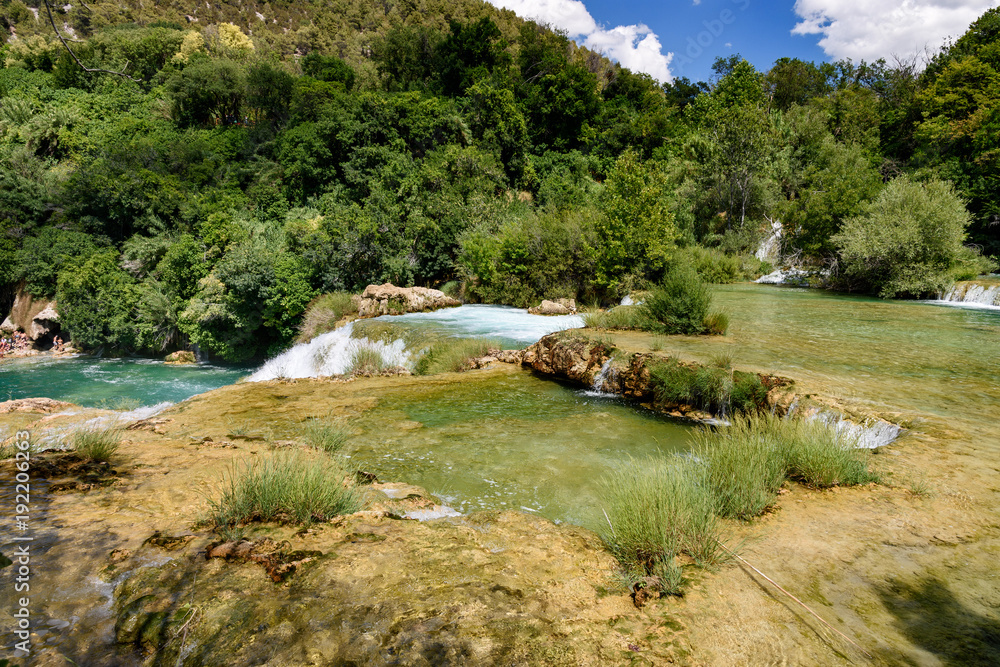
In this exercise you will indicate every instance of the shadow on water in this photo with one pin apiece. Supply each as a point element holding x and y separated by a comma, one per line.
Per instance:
<point>930,615</point>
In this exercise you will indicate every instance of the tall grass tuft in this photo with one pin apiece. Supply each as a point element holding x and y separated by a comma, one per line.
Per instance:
<point>99,444</point>
<point>454,354</point>
<point>623,318</point>
<point>746,464</point>
<point>715,387</point>
<point>365,361</point>
<point>291,487</point>
<point>324,435</point>
<point>819,456</point>
<point>716,324</point>
<point>656,509</point>
<point>323,313</point>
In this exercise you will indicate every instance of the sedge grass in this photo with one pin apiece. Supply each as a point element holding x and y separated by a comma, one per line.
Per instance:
<point>286,487</point>
<point>624,318</point>
<point>365,361</point>
<point>97,444</point>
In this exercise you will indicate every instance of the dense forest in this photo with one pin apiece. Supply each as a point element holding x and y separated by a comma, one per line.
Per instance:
<point>256,155</point>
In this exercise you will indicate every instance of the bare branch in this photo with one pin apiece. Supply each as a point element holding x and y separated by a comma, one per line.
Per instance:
<point>52,21</point>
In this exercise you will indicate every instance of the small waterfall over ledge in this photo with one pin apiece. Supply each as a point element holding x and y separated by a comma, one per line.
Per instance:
<point>974,294</point>
<point>329,354</point>
<point>606,373</point>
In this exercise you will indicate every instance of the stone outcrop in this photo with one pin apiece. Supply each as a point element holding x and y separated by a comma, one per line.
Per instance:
<point>181,357</point>
<point>37,405</point>
<point>571,357</point>
<point>37,318</point>
<point>388,299</point>
<point>558,307</point>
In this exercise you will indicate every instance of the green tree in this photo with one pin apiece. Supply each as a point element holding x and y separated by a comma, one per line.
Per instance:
<point>207,91</point>
<point>97,302</point>
<point>636,233</point>
<point>907,240</point>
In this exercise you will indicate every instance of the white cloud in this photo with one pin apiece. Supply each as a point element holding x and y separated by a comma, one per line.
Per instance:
<point>634,46</point>
<point>872,29</point>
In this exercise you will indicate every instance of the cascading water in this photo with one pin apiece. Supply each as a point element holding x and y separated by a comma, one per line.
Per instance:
<point>329,354</point>
<point>607,372</point>
<point>871,435</point>
<point>973,294</point>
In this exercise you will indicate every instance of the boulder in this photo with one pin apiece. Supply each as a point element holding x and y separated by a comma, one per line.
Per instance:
<point>181,357</point>
<point>388,299</point>
<point>41,405</point>
<point>7,327</point>
<point>560,307</point>
<point>44,323</point>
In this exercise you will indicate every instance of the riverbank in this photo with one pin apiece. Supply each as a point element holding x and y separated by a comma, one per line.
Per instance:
<point>877,562</point>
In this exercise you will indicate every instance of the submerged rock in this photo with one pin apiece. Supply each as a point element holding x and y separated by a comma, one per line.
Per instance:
<point>388,299</point>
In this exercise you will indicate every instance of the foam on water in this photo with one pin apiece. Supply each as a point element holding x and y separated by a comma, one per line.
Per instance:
<point>515,327</point>
<point>329,354</point>
<point>873,434</point>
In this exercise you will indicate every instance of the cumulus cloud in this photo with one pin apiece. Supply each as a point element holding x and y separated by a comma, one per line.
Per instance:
<point>868,30</point>
<point>634,46</point>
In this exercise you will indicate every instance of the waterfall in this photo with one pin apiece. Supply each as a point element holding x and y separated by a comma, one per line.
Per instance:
<point>606,372</point>
<point>973,294</point>
<point>329,354</point>
<point>873,434</point>
<point>768,251</point>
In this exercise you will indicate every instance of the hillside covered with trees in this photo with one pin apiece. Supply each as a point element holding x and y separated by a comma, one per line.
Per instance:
<point>257,155</point>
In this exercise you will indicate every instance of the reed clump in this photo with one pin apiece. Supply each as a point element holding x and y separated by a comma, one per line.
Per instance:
<point>291,487</point>
<point>622,318</point>
<point>97,444</point>
<point>365,361</point>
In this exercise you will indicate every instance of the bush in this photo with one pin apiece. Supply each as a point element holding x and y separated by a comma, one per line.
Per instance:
<point>907,241</point>
<point>453,355</point>
<point>291,487</point>
<point>680,303</point>
<point>819,456</point>
<point>97,444</point>
<point>715,266</point>
<point>715,388</point>
<point>657,509</point>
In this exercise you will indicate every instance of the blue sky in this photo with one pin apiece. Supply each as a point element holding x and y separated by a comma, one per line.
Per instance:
<point>672,38</point>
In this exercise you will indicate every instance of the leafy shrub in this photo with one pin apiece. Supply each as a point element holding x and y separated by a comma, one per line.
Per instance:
<point>715,387</point>
<point>715,266</point>
<point>292,487</point>
<point>323,313</point>
<point>99,444</point>
<point>680,303</point>
<point>907,241</point>
<point>657,509</point>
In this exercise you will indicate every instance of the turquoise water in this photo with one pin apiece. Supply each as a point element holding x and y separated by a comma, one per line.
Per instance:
<point>94,382</point>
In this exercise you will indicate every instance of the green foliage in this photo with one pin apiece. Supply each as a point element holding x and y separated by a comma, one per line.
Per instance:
<point>636,233</point>
<point>715,388</point>
<point>208,91</point>
<point>620,317</point>
<point>43,256</point>
<point>658,509</point>
<point>680,303</point>
<point>471,53</point>
<point>284,488</point>
<point>365,360</point>
<point>97,302</point>
<point>907,241</point>
<point>97,444</point>
<point>328,68</point>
